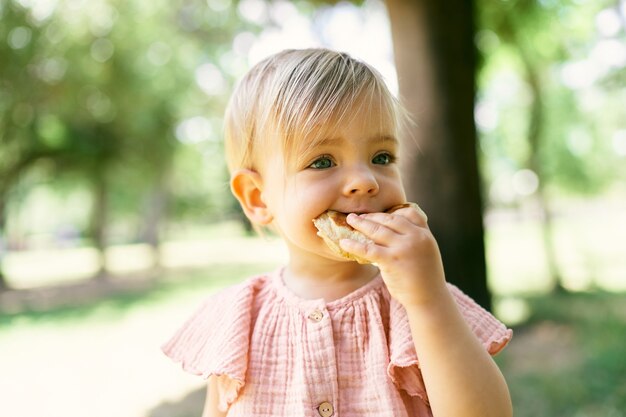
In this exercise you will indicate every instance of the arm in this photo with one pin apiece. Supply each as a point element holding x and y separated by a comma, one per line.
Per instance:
<point>460,377</point>
<point>455,365</point>
<point>212,400</point>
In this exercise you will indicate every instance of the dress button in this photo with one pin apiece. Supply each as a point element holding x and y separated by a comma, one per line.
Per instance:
<point>325,409</point>
<point>316,316</point>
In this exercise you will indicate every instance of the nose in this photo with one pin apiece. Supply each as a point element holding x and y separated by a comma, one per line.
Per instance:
<point>361,181</point>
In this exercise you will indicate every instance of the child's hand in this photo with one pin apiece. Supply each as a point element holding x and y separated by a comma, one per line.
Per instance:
<point>405,251</point>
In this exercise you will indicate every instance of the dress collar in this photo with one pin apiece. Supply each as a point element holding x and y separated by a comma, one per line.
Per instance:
<point>291,298</point>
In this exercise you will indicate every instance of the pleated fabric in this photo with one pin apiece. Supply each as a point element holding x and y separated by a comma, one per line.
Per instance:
<point>276,354</point>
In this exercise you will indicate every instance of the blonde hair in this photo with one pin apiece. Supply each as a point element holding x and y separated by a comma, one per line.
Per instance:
<point>300,94</point>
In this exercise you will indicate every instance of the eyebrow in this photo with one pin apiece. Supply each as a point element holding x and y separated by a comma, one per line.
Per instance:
<point>330,141</point>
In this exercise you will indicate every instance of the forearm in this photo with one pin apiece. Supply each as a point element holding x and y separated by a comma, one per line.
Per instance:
<point>460,376</point>
<point>211,408</point>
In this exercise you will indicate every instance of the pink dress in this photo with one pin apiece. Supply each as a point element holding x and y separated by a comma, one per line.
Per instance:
<point>281,355</point>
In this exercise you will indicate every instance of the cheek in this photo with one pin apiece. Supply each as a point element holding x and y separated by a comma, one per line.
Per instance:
<point>309,206</point>
<point>393,186</point>
<point>297,224</point>
<point>401,192</point>
<point>313,197</point>
<point>306,203</point>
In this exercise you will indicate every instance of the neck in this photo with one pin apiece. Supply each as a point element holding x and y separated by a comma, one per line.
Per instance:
<point>325,278</point>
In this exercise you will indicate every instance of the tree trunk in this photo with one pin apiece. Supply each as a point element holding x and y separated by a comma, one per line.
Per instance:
<point>99,220</point>
<point>534,163</point>
<point>3,282</point>
<point>435,62</point>
<point>155,206</point>
<point>4,285</point>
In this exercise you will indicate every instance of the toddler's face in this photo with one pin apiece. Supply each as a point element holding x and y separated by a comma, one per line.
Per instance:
<point>354,171</point>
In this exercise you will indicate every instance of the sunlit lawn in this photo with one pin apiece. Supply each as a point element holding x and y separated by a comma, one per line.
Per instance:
<point>103,359</point>
<point>567,358</point>
<point>219,243</point>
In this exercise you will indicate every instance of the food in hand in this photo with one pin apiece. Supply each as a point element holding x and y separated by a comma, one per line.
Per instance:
<point>332,227</point>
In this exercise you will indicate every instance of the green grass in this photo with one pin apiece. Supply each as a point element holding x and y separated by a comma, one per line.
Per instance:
<point>569,358</point>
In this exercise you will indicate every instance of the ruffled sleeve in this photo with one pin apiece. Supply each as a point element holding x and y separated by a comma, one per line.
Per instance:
<point>215,340</point>
<point>403,366</point>
<point>492,333</point>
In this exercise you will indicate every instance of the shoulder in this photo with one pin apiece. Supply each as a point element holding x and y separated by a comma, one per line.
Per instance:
<point>215,340</point>
<point>493,334</point>
<point>216,335</point>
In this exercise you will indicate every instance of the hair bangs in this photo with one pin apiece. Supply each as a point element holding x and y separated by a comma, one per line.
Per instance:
<point>323,93</point>
<point>291,101</point>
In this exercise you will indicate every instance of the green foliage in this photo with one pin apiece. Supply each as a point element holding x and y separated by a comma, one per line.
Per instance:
<point>104,90</point>
<point>99,90</point>
<point>548,55</point>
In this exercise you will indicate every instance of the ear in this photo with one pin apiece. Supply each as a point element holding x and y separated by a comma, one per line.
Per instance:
<point>247,187</point>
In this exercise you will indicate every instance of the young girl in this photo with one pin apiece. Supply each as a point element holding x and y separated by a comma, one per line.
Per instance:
<point>309,131</point>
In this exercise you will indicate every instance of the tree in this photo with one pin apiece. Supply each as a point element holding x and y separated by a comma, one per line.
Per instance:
<point>20,146</point>
<point>554,139</point>
<point>510,27</point>
<point>436,66</point>
<point>86,92</point>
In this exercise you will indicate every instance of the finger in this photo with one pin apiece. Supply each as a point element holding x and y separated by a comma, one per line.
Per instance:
<point>375,230</point>
<point>421,213</point>
<point>397,223</point>
<point>369,251</point>
<point>414,214</point>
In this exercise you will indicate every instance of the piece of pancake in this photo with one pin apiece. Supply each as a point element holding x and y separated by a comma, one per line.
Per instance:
<point>332,227</point>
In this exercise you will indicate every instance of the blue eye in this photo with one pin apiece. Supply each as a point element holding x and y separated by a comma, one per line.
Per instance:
<point>383,158</point>
<point>323,162</point>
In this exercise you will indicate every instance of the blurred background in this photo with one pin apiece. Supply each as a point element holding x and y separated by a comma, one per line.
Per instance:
<point>116,218</point>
